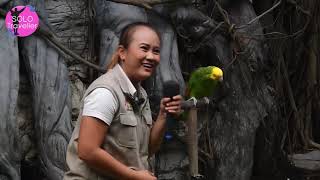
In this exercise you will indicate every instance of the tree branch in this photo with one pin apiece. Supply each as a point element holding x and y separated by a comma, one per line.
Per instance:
<point>48,35</point>
<point>144,3</point>
<point>224,14</point>
<point>299,7</point>
<point>260,16</point>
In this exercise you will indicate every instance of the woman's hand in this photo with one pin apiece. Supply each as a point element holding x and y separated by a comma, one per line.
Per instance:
<point>171,106</point>
<point>144,174</point>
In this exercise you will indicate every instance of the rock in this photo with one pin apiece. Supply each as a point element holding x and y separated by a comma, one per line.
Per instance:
<point>24,116</point>
<point>240,109</point>
<point>233,128</point>
<point>69,20</point>
<point>9,86</point>
<point>78,71</point>
<point>51,99</point>
<point>172,161</point>
<point>78,89</point>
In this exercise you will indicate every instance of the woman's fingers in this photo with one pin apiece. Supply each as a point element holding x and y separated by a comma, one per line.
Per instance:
<point>164,100</point>
<point>173,103</point>
<point>172,108</point>
<point>174,111</point>
<point>177,97</point>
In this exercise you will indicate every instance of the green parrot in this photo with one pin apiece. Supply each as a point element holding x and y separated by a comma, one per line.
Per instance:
<point>203,82</point>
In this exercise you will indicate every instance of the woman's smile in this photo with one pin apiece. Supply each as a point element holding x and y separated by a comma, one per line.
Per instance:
<point>142,55</point>
<point>148,66</point>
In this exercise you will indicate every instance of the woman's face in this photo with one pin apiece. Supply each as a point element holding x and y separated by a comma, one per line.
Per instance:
<point>142,55</point>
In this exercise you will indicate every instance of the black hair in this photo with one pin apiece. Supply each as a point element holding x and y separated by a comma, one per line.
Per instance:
<point>126,38</point>
<point>127,32</point>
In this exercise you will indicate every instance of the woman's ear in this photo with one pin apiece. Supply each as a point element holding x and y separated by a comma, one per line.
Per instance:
<point>122,52</point>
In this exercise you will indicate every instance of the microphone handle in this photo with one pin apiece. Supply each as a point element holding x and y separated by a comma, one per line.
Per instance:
<point>170,115</point>
<point>170,125</point>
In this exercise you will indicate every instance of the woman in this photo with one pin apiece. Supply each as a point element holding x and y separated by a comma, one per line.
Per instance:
<point>115,134</point>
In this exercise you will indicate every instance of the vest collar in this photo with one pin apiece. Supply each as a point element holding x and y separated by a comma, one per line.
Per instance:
<point>133,96</point>
<point>125,83</point>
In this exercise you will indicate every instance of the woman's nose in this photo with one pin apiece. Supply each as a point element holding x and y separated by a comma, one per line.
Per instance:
<point>150,55</point>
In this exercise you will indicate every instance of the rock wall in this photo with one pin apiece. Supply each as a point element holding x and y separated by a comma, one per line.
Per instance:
<point>9,86</point>
<point>52,85</point>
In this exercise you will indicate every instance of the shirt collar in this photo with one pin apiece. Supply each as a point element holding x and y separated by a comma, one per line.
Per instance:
<point>132,90</point>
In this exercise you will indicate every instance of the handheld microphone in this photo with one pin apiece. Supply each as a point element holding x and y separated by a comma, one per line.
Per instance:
<point>170,88</point>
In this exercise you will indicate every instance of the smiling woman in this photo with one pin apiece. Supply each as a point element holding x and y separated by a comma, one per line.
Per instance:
<point>115,135</point>
<point>142,55</point>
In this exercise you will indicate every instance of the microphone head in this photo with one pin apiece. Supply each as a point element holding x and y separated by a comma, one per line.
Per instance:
<point>170,88</point>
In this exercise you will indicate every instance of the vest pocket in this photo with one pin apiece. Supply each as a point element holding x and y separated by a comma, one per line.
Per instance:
<point>127,136</point>
<point>147,115</point>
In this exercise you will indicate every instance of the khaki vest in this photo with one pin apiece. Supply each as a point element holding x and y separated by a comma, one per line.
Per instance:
<point>127,139</point>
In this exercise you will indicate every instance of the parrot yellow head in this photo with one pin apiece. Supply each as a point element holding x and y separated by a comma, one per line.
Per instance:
<point>216,74</point>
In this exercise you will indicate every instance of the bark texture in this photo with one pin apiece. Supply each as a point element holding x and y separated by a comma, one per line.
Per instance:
<point>9,86</point>
<point>266,116</point>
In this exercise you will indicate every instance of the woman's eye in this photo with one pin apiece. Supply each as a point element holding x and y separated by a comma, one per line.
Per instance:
<point>156,51</point>
<point>144,48</point>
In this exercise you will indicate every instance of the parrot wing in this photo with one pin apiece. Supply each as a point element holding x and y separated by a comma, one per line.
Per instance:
<point>198,82</point>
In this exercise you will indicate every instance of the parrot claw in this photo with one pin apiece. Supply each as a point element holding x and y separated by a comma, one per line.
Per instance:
<point>207,100</point>
<point>197,177</point>
<point>194,101</point>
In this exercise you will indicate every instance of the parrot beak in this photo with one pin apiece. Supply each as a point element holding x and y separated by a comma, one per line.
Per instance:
<point>221,79</point>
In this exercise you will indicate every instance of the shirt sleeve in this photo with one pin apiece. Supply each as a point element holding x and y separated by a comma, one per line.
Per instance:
<point>101,104</point>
